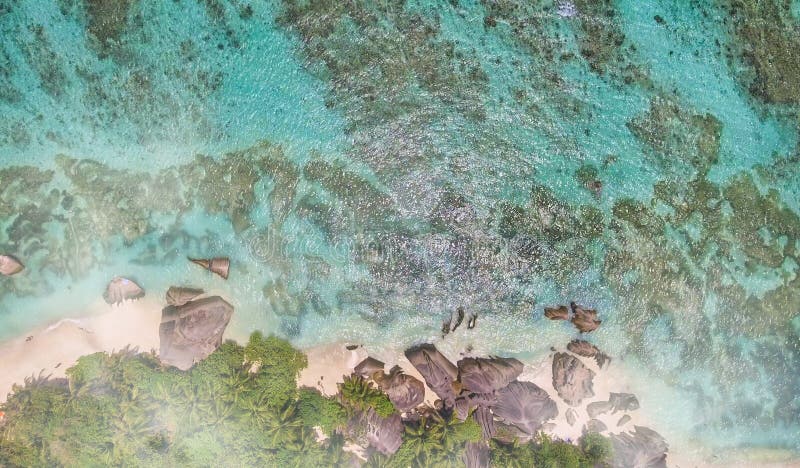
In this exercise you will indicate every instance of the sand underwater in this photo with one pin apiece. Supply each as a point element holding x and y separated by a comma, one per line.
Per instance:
<point>369,167</point>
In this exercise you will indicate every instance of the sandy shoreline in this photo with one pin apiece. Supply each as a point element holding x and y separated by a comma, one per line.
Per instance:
<point>55,347</point>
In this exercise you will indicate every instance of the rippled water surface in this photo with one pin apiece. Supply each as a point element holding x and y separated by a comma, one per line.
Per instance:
<point>371,166</point>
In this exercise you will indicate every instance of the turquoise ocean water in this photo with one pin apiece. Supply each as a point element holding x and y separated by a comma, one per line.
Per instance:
<point>371,166</point>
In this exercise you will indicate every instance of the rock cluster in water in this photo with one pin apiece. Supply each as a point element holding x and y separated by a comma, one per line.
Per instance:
<point>10,265</point>
<point>585,320</point>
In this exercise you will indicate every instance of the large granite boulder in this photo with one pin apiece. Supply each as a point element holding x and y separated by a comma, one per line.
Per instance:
<point>404,391</point>
<point>641,448</point>
<point>484,375</point>
<point>10,265</point>
<point>476,455</point>
<point>384,434</point>
<point>571,379</point>
<point>439,373</point>
<point>122,289</point>
<point>586,349</point>
<point>189,333</point>
<point>525,405</point>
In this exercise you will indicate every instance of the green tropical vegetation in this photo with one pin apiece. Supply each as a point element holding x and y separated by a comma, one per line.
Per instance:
<point>239,407</point>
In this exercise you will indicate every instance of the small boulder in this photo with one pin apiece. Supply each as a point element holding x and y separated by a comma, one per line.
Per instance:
<point>368,367</point>
<point>585,320</point>
<point>597,408</point>
<point>594,425</point>
<point>625,419</point>
<point>10,265</point>
<point>572,416</point>
<point>586,349</point>
<point>571,379</point>
<point>557,313</point>
<point>122,289</point>
<point>623,402</point>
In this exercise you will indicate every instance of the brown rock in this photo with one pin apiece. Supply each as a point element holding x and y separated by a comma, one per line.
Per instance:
<point>623,401</point>
<point>189,333</point>
<point>218,265</point>
<point>121,289</point>
<point>404,391</point>
<point>585,320</point>
<point>623,420</point>
<point>571,379</point>
<point>439,373</point>
<point>368,367</point>
<point>557,313</point>
<point>476,455</point>
<point>642,447</point>
<point>178,296</point>
<point>586,349</point>
<point>10,265</point>
<point>484,375</point>
<point>385,434</point>
<point>595,425</point>
<point>524,405</point>
<point>572,416</point>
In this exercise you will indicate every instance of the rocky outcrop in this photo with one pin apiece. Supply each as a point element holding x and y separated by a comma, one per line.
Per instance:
<point>586,349</point>
<point>189,333</point>
<point>404,391</point>
<point>571,379</point>
<point>384,434</point>
<point>524,405</point>
<point>557,313</point>
<point>623,402</point>
<point>10,265</point>
<point>439,373</point>
<point>219,265</point>
<point>178,295</point>
<point>643,447</point>
<point>476,455</point>
<point>484,375</point>
<point>585,320</point>
<point>122,289</point>
<point>485,419</point>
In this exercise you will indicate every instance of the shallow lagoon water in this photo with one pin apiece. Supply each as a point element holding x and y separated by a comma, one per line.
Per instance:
<point>392,162</point>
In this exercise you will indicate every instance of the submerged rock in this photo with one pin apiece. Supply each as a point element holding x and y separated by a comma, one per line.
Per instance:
<point>476,455</point>
<point>404,391</point>
<point>484,375</point>
<point>121,289</point>
<point>642,448</point>
<point>189,333</point>
<point>571,379</point>
<point>586,349</point>
<point>218,265</point>
<point>178,296</point>
<point>597,408</point>
<point>585,320</point>
<point>384,434</point>
<point>524,405</point>
<point>557,313</point>
<point>10,265</point>
<point>439,373</point>
<point>623,402</point>
<point>368,367</point>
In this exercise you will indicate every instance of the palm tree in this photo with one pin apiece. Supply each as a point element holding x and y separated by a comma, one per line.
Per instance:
<point>424,440</point>
<point>284,427</point>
